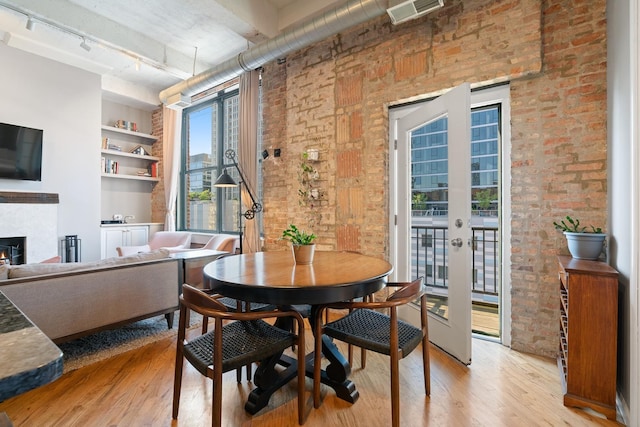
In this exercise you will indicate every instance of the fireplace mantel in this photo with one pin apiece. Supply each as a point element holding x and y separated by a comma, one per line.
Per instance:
<point>22,197</point>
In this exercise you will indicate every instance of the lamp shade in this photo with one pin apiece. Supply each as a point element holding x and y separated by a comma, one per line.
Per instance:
<point>225,180</point>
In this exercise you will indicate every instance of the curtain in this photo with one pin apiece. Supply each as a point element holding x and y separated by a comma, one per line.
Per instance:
<point>248,154</point>
<point>171,134</point>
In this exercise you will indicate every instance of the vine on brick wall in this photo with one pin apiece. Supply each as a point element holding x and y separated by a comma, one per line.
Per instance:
<point>309,193</point>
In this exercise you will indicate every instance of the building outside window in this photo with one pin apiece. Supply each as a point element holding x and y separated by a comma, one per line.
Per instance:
<point>429,185</point>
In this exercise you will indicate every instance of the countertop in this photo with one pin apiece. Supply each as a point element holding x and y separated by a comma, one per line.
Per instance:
<point>29,358</point>
<point>131,224</point>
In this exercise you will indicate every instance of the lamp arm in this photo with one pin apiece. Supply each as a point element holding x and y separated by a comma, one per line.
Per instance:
<point>255,207</point>
<point>244,181</point>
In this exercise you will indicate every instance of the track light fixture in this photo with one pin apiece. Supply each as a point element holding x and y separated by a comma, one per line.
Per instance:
<point>84,45</point>
<point>30,24</point>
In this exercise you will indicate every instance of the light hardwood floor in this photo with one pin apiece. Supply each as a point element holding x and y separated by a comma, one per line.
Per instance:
<point>501,388</point>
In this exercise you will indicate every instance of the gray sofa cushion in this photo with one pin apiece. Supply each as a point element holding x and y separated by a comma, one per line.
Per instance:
<point>28,270</point>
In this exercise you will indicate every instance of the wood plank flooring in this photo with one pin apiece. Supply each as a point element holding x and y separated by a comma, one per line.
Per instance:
<point>501,388</point>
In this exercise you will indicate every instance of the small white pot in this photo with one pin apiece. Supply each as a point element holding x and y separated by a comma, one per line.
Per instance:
<point>585,245</point>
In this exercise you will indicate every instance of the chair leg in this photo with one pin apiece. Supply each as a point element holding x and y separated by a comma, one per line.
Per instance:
<point>363,356</point>
<point>177,376</point>
<point>301,378</point>
<point>177,385</point>
<point>426,366</point>
<point>294,329</point>
<point>317,361</point>
<point>205,324</point>
<point>395,390</point>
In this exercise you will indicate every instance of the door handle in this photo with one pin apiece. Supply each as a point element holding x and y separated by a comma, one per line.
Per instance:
<point>456,242</point>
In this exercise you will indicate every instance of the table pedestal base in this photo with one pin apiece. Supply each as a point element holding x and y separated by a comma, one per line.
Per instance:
<point>268,380</point>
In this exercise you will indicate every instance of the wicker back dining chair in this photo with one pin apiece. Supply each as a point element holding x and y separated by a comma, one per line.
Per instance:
<point>237,305</point>
<point>367,328</point>
<point>230,346</point>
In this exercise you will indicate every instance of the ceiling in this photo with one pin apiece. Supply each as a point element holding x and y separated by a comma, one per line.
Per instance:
<point>143,47</point>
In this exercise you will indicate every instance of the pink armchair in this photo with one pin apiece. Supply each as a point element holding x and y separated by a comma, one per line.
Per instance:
<point>223,242</point>
<point>174,241</point>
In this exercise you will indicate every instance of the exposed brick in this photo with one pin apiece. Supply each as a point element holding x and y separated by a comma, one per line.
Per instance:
<point>334,96</point>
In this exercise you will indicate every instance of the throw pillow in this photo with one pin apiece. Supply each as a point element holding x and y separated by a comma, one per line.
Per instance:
<point>28,270</point>
<point>4,271</point>
<point>142,256</point>
<point>53,260</point>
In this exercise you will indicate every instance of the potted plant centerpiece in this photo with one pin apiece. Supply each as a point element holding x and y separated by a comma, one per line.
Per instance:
<point>302,244</point>
<point>583,242</point>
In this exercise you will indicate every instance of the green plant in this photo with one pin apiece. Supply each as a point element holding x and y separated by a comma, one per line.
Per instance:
<point>572,225</point>
<point>419,201</point>
<point>296,236</point>
<point>484,197</point>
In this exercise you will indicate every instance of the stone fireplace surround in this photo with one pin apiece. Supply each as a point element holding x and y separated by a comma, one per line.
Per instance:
<point>34,216</point>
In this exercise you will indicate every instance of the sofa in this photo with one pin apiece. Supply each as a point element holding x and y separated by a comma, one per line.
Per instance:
<point>70,300</point>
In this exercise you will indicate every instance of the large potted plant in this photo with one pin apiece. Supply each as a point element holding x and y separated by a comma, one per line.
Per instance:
<point>302,244</point>
<point>583,242</point>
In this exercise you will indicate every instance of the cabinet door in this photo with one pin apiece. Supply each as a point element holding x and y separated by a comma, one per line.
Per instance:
<point>138,236</point>
<point>111,239</point>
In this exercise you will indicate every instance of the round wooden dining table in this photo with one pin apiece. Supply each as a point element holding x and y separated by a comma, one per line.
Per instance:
<point>274,278</point>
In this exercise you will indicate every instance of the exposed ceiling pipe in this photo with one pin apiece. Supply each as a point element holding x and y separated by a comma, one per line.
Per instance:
<point>331,22</point>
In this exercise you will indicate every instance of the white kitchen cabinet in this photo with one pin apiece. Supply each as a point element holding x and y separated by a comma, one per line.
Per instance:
<point>122,235</point>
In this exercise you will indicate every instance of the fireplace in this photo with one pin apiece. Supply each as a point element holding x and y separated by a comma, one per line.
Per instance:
<point>13,250</point>
<point>34,216</point>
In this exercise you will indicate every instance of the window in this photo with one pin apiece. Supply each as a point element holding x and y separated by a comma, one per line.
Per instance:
<point>429,167</point>
<point>208,130</point>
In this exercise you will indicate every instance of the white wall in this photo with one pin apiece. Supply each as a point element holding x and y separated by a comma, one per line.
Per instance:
<point>66,103</point>
<point>622,92</point>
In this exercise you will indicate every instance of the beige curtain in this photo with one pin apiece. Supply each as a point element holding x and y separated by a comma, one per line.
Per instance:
<point>248,154</point>
<point>171,134</point>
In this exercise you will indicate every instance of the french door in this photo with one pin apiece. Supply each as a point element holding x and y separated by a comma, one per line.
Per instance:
<point>437,132</point>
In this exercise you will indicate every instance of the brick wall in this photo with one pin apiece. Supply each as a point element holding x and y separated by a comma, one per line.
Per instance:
<point>559,161</point>
<point>334,96</point>
<point>158,207</point>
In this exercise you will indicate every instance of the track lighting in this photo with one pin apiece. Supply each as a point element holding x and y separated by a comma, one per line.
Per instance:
<point>30,24</point>
<point>84,45</point>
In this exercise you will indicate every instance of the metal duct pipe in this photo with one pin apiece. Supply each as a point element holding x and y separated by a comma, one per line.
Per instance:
<point>331,22</point>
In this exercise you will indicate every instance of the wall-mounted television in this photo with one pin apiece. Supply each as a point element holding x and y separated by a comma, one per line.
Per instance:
<point>20,152</point>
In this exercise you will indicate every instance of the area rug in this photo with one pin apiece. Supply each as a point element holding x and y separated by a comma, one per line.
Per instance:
<point>105,344</point>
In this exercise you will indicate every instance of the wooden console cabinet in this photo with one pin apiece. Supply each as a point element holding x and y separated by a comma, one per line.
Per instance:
<point>588,334</point>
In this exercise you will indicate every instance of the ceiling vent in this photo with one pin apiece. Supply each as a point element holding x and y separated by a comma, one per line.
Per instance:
<point>412,9</point>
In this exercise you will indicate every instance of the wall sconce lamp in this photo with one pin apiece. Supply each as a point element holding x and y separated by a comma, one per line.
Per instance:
<point>226,180</point>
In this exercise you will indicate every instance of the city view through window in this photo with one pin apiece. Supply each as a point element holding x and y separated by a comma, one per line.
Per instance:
<point>429,191</point>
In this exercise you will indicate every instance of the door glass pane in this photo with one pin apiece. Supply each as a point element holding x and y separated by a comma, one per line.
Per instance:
<point>429,211</point>
<point>485,126</point>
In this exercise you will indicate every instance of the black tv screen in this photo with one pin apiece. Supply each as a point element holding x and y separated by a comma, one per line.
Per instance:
<point>20,152</point>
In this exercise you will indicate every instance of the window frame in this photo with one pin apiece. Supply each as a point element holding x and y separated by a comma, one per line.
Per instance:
<point>222,162</point>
